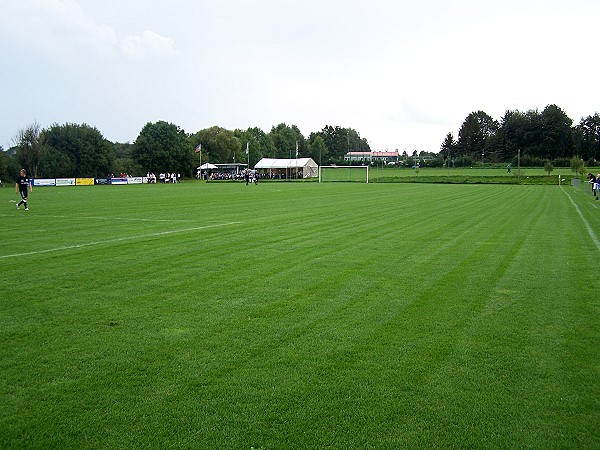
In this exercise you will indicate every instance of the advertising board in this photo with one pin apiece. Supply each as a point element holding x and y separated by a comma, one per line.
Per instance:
<point>65,182</point>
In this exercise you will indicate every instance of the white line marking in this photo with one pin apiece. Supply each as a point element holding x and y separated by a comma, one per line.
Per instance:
<point>115,218</point>
<point>120,219</point>
<point>585,222</point>
<point>109,241</point>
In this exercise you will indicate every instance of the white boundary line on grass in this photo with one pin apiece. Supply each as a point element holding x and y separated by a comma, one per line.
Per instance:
<point>110,241</point>
<point>115,218</point>
<point>585,222</point>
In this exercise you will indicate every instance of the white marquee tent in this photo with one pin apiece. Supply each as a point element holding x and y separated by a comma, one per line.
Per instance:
<point>295,167</point>
<point>206,166</point>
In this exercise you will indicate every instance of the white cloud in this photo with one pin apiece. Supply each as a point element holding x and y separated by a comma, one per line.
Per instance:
<point>149,43</point>
<point>62,25</point>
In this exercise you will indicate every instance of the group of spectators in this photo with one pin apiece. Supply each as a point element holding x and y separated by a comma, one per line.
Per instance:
<point>225,176</point>
<point>251,175</point>
<point>165,178</point>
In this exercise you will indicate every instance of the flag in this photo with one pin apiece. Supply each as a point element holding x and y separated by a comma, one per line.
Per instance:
<point>198,149</point>
<point>296,149</point>
<point>247,148</point>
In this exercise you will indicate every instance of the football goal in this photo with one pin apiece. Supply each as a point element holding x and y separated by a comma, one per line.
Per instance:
<point>357,174</point>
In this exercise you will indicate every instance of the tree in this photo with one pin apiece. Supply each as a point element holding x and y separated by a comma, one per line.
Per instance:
<point>31,148</point>
<point>340,141</point>
<point>511,135</point>
<point>77,150</point>
<point>548,167</point>
<point>589,129</point>
<point>448,148</point>
<point>556,136</point>
<point>577,165</point>
<point>475,133</point>
<point>317,150</point>
<point>163,147</point>
<point>260,145</point>
<point>286,140</point>
<point>124,162</point>
<point>4,160</point>
<point>219,144</point>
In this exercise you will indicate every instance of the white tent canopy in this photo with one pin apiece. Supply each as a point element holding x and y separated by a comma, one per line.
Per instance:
<point>207,166</point>
<point>305,167</point>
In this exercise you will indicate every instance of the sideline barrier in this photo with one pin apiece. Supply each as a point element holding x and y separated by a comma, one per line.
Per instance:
<point>84,181</point>
<point>65,182</point>
<point>43,181</point>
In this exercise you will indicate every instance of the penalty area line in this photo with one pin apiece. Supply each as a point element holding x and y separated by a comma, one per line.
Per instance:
<point>121,239</point>
<point>585,222</point>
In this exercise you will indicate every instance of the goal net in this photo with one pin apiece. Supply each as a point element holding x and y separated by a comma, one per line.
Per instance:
<point>357,174</point>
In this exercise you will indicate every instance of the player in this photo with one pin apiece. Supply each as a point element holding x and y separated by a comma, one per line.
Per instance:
<point>23,182</point>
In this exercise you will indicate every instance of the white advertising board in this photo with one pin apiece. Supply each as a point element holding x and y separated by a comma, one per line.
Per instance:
<point>65,182</point>
<point>44,182</point>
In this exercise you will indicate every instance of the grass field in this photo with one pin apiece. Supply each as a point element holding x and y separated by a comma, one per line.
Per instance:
<point>462,175</point>
<point>300,316</point>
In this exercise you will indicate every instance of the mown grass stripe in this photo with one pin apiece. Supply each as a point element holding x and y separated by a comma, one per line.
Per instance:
<point>116,240</point>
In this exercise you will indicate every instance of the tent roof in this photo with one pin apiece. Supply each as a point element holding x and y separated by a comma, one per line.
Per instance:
<point>270,163</point>
<point>207,166</point>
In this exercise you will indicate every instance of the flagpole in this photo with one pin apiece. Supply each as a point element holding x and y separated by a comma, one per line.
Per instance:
<point>198,150</point>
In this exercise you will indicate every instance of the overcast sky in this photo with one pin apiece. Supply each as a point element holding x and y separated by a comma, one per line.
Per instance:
<point>402,73</point>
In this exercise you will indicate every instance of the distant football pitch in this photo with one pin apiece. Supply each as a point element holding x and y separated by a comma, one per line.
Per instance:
<point>300,315</point>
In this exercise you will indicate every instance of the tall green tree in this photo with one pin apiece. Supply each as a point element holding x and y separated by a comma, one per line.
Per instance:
<point>448,148</point>
<point>557,133</point>
<point>219,146</point>
<point>124,162</point>
<point>511,134</point>
<point>285,139</point>
<point>260,145</point>
<point>589,129</point>
<point>340,141</point>
<point>77,150</point>
<point>475,134</point>
<point>163,147</point>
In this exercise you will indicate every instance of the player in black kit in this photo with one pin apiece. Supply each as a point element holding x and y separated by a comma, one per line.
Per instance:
<point>23,182</point>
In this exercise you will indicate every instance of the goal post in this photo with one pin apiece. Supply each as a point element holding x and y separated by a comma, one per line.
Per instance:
<point>356,174</point>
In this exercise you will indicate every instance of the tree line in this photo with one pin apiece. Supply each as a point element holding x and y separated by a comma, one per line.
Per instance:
<point>81,150</point>
<point>539,138</point>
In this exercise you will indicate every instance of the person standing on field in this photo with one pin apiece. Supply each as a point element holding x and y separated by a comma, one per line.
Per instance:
<point>23,182</point>
<point>594,182</point>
